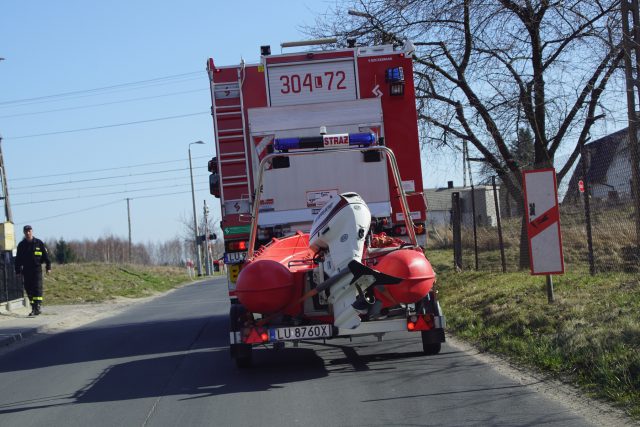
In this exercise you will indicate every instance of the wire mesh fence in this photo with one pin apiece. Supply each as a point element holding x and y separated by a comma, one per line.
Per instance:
<point>598,216</point>
<point>10,286</point>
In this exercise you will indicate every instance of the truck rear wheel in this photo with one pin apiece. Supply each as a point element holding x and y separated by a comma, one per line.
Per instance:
<point>240,353</point>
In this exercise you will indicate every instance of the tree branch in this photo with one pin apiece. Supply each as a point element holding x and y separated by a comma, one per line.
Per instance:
<point>589,88</point>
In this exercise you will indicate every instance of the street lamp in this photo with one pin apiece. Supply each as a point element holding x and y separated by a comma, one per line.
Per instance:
<point>195,220</point>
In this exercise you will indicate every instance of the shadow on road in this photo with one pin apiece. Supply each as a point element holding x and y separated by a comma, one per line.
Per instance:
<point>187,358</point>
<point>93,343</point>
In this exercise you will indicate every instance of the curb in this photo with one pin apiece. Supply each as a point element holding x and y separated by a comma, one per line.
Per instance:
<point>8,339</point>
<point>10,306</point>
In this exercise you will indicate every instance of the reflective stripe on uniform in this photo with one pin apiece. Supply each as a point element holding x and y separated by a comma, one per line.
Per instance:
<point>37,253</point>
<point>37,298</point>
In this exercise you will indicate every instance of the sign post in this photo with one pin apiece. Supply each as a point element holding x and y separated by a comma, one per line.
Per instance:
<point>543,228</point>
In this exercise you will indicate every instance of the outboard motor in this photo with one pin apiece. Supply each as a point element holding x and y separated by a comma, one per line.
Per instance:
<point>339,231</point>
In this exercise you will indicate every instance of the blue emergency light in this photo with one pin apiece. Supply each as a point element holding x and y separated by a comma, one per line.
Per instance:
<point>326,141</point>
<point>394,75</point>
<point>395,78</point>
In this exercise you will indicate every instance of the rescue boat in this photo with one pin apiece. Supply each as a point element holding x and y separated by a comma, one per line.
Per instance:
<point>337,271</point>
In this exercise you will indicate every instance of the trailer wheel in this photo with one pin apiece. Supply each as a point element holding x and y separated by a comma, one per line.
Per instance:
<point>240,353</point>
<point>431,340</point>
<point>429,348</point>
<point>243,357</point>
<point>236,316</point>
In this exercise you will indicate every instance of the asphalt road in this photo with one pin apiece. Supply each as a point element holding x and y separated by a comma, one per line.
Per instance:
<point>166,363</point>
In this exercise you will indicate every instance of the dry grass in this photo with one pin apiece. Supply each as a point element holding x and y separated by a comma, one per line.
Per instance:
<point>589,336</point>
<point>97,282</point>
<point>612,233</point>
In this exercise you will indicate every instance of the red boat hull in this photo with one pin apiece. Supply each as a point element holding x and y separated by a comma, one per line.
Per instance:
<point>274,279</point>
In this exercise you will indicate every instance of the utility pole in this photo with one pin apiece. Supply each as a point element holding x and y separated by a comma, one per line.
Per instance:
<point>5,188</point>
<point>129,220</point>
<point>206,240</point>
<point>631,38</point>
<point>195,218</point>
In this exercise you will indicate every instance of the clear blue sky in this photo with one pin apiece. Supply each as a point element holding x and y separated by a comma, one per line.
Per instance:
<point>73,64</point>
<point>73,47</point>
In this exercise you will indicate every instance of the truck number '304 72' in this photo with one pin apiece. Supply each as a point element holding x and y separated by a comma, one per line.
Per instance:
<point>329,80</point>
<point>300,332</point>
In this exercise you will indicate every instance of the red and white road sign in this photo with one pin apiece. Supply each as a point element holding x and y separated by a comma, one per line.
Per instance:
<point>543,229</point>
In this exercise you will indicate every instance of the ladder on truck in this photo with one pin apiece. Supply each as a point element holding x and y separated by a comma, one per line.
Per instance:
<point>230,133</point>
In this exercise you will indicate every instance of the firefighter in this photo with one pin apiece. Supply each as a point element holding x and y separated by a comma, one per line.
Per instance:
<point>31,254</point>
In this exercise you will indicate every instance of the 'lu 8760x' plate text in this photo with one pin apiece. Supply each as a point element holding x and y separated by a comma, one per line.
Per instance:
<point>300,332</point>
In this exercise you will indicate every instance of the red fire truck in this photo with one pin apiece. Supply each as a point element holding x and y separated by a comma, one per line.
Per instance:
<point>324,102</point>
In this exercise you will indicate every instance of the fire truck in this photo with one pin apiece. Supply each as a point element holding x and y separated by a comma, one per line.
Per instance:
<point>308,141</point>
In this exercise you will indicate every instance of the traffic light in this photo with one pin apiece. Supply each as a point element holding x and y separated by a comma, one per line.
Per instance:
<point>212,236</point>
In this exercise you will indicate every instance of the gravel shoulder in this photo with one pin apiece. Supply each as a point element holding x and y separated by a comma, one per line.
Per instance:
<point>599,412</point>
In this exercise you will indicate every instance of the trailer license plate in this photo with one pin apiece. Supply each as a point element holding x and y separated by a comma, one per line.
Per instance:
<point>234,257</point>
<point>300,332</point>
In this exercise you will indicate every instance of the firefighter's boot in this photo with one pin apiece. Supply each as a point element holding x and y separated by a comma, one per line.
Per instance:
<point>33,308</point>
<point>36,308</point>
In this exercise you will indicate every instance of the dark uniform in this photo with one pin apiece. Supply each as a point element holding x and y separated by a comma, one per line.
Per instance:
<point>29,259</point>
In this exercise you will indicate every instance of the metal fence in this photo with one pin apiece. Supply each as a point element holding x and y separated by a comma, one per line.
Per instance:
<point>598,216</point>
<point>10,286</point>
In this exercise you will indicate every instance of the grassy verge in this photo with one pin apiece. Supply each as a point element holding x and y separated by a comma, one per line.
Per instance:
<point>97,282</point>
<point>590,336</point>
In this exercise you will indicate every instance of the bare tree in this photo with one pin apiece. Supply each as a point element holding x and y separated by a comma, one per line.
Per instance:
<point>485,69</point>
<point>108,249</point>
<point>169,252</point>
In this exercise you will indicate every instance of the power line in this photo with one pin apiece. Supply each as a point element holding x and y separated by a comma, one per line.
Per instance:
<point>100,105</point>
<point>167,194</point>
<point>73,212</point>
<point>107,204</point>
<point>103,186</point>
<point>112,91</point>
<point>76,92</point>
<point>107,169</point>
<point>89,196</point>
<point>108,126</point>
<point>100,178</point>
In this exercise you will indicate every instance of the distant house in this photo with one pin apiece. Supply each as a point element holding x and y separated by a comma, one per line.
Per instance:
<point>439,205</point>
<point>608,168</point>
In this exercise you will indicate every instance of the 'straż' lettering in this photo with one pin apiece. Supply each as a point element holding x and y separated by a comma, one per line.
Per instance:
<point>333,140</point>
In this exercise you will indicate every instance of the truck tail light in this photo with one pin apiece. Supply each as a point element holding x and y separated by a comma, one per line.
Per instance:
<point>236,246</point>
